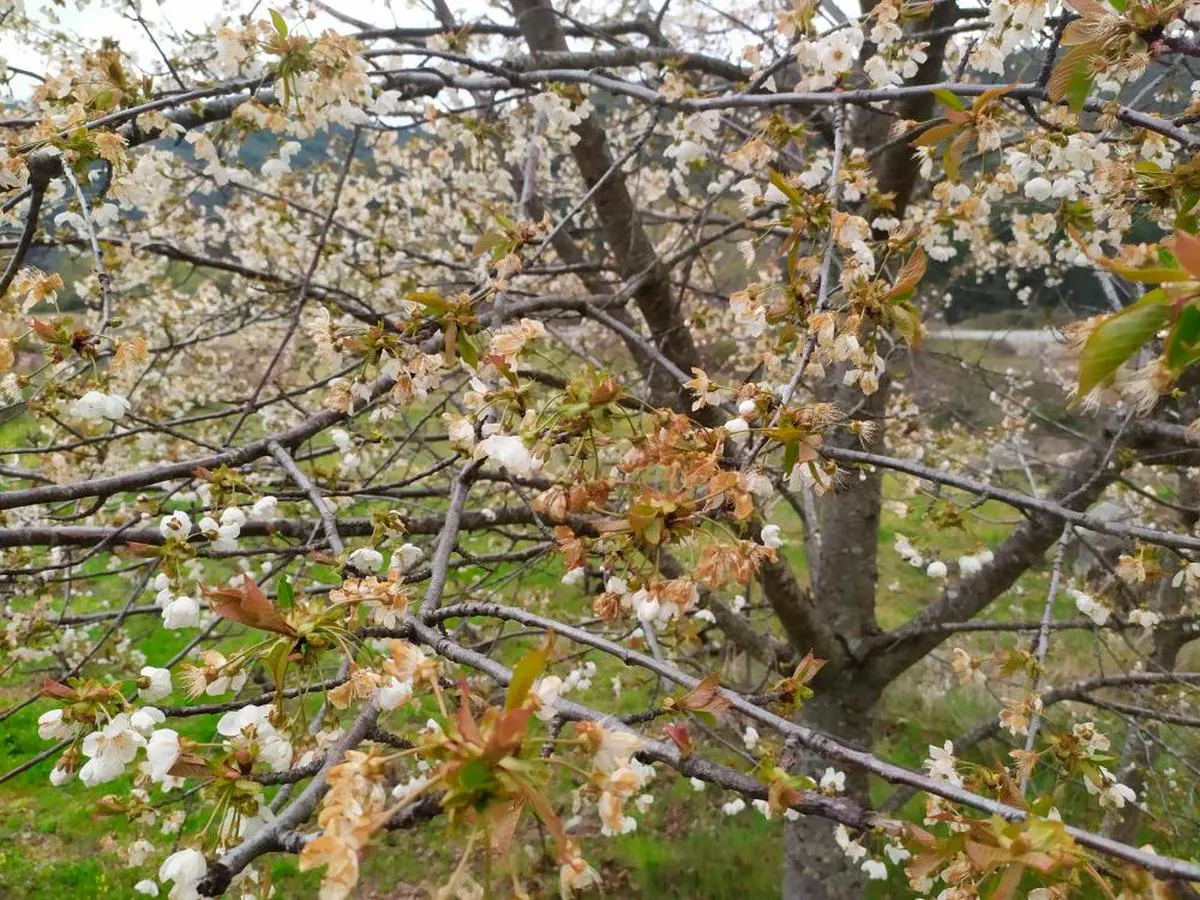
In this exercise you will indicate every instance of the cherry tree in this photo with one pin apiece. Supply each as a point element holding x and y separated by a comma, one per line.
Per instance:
<point>498,405</point>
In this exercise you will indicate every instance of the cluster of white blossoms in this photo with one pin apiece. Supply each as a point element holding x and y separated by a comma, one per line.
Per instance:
<point>658,605</point>
<point>896,64</point>
<point>941,764</point>
<point>826,59</point>
<point>223,533</point>
<point>856,853</point>
<point>692,136</point>
<point>282,163</point>
<point>1010,22</point>
<point>96,406</point>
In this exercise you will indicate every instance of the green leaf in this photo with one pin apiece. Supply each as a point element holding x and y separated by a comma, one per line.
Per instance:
<point>467,349</point>
<point>277,662</point>
<point>279,23</point>
<point>1183,345</point>
<point>284,595</point>
<point>786,189</point>
<point>1072,78</point>
<point>1120,336</point>
<point>949,99</point>
<point>791,453</point>
<point>526,672</point>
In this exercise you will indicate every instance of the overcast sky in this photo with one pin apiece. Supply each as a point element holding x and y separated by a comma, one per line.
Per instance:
<point>103,18</point>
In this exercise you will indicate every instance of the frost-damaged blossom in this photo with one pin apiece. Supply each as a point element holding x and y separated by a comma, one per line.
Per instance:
<point>347,817</point>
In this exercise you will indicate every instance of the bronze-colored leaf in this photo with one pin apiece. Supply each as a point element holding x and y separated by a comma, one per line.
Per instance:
<point>248,605</point>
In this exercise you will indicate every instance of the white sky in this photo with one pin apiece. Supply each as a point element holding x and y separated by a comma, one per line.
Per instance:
<point>104,18</point>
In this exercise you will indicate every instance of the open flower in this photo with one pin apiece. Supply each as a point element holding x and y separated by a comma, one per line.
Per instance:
<point>772,537</point>
<point>406,557</point>
<point>264,507</point>
<point>545,692</point>
<point>366,559</point>
<point>510,452</point>
<point>176,526</point>
<point>1112,794</point>
<point>109,751</point>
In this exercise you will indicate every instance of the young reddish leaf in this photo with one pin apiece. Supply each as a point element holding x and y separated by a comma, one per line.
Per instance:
<point>504,818</point>
<point>467,729</point>
<point>952,158</point>
<point>546,813</point>
<point>189,765</point>
<point>248,606</point>
<point>52,688</point>
<point>704,697</point>
<point>1186,248</point>
<point>680,737</point>
<point>935,135</point>
<point>507,733</point>
<point>1010,880</point>
<point>909,277</point>
<point>1072,78</point>
<point>984,857</point>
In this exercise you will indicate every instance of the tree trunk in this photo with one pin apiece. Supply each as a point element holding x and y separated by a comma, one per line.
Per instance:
<point>814,866</point>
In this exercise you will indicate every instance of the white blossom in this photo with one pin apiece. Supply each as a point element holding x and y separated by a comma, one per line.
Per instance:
<point>772,537</point>
<point>184,868</point>
<point>366,559</point>
<point>158,684</point>
<point>95,406</point>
